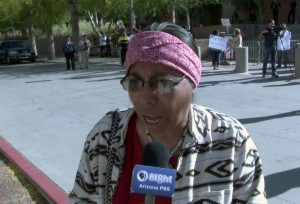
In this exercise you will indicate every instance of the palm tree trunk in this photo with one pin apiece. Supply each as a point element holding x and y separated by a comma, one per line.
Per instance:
<point>50,43</point>
<point>188,20</point>
<point>31,35</point>
<point>75,24</point>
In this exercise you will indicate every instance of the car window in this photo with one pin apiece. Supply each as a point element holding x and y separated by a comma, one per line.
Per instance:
<point>16,44</point>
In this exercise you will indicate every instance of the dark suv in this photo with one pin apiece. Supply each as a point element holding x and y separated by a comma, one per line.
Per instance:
<point>15,51</point>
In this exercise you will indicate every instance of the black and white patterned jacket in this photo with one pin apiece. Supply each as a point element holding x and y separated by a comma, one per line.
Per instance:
<point>218,163</point>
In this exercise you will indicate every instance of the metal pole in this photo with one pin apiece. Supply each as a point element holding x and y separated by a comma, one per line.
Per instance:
<point>131,14</point>
<point>297,62</point>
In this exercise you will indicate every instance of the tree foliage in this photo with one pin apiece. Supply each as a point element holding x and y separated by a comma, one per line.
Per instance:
<point>45,13</point>
<point>10,15</point>
<point>25,17</point>
<point>17,14</point>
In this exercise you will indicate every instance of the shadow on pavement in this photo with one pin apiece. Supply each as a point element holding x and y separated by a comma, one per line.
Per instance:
<point>270,117</point>
<point>287,84</point>
<point>281,182</point>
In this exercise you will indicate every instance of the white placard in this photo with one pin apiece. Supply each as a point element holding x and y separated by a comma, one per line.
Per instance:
<point>284,43</point>
<point>217,42</point>
<point>225,22</point>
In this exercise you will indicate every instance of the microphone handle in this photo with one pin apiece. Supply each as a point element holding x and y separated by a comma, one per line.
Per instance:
<point>149,199</point>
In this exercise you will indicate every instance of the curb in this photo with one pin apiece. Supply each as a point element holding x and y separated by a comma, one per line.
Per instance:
<point>52,192</point>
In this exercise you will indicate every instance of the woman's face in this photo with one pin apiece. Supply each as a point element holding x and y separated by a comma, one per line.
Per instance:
<point>160,112</point>
<point>271,24</point>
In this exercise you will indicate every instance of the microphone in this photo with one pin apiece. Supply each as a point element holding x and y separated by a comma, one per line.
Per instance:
<point>154,177</point>
<point>155,154</point>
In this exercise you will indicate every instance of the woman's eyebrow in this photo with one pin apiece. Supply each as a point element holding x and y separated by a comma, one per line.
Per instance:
<point>154,75</point>
<point>133,75</point>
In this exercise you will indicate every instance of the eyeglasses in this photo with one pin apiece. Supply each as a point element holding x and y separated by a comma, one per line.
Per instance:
<point>156,85</point>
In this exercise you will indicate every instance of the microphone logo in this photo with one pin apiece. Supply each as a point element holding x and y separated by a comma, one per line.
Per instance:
<point>153,180</point>
<point>142,176</point>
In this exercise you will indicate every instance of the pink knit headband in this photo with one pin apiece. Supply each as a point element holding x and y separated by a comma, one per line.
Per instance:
<point>163,48</point>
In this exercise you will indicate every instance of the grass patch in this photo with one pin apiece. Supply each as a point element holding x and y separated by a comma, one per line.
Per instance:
<point>26,190</point>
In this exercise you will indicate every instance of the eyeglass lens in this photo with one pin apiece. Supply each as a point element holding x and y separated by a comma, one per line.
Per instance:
<point>161,86</point>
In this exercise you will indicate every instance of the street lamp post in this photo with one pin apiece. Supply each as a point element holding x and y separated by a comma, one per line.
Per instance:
<point>131,15</point>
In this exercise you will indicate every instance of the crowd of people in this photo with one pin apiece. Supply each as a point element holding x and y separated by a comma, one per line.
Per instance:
<point>83,52</point>
<point>276,44</point>
<point>276,41</point>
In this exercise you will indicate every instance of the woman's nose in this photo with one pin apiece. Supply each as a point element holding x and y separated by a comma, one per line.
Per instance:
<point>147,94</point>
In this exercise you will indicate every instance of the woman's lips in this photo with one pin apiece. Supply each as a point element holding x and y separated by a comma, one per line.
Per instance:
<point>151,119</point>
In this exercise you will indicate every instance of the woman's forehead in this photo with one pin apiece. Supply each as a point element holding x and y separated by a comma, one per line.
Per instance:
<point>153,69</point>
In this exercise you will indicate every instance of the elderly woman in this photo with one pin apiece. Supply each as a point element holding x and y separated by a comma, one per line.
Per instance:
<point>215,159</point>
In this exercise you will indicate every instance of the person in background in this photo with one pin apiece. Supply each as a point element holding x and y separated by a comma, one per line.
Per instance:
<point>84,47</point>
<point>215,158</point>
<point>102,43</point>
<point>215,54</point>
<point>108,46</point>
<point>235,18</point>
<point>133,33</point>
<point>292,12</point>
<point>252,16</point>
<point>237,40</point>
<point>69,51</point>
<point>282,47</point>
<point>123,43</point>
<point>275,6</point>
<point>270,38</point>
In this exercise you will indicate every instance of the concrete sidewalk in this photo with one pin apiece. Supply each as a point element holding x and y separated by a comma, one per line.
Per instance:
<point>47,112</point>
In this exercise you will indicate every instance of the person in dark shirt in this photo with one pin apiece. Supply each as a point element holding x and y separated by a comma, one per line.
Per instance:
<point>108,46</point>
<point>252,16</point>
<point>275,8</point>
<point>69,50</point>
<point>292,12</point>
<point>270,38</point>
<point>215,53</point>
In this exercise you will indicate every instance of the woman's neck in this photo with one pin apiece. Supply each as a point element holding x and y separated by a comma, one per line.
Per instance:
<point>170,137</point>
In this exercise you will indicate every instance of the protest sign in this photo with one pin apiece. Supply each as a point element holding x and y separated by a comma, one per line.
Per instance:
<point>225,22</point>
<point>217,42</point>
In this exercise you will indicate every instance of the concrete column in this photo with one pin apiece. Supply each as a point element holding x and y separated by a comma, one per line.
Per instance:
<point>241,59</point>
<point>199,51</point>
<point>297,62</point>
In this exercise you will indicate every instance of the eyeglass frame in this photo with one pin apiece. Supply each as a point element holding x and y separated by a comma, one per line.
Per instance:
<point>170,81</point>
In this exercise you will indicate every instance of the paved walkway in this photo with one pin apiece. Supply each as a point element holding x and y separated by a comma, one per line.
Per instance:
<point>46,113</point>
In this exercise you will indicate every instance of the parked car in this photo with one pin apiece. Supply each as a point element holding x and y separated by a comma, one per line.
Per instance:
<point>16,51</point>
